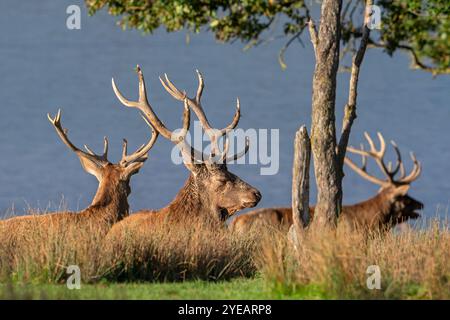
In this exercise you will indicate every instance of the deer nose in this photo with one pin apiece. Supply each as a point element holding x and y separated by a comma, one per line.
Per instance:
<point>257,195</point>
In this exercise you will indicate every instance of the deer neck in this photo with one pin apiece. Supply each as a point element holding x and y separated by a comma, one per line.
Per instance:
<point>189,203</point>
<point>371,212</point>
<point>385,203</point>
<point>110,203</point>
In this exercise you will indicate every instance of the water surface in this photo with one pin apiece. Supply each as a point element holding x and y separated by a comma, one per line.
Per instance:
<point>44,66</point>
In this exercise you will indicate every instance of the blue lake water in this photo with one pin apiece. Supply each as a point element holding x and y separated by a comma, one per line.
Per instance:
<point>44,66</point>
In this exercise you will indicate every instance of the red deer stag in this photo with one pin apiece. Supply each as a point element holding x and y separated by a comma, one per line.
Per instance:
<point>110,202</point>
<point>391,206</point>
<point>211,193</point>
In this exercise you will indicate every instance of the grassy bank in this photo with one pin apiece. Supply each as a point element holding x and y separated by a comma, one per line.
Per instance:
<point>240,289</point>
<point>412,264</point>
<point>236,289</point>
<point>196,261</point>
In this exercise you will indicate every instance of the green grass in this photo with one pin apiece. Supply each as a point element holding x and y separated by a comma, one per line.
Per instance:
<point>235,289</point>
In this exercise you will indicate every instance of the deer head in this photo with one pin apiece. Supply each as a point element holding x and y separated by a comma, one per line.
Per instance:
<point>114,179</point>
<point>401,207</point>
<point>216,190</point>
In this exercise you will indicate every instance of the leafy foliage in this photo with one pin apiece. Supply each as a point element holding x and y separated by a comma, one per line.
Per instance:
<point>421,27</point>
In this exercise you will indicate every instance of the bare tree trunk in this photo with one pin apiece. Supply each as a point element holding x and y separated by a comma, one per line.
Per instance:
<point>300,185</point>
<point>323,130</point>
<point>300,179</point>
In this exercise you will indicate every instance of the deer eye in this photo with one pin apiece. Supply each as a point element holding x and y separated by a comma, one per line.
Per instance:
<point>222,180</point>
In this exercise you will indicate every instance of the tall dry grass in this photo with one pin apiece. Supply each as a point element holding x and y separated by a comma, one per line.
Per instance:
<point>41,252</point>
<point>194,250</point>
<point>166,253</point>
<point>413,263</point>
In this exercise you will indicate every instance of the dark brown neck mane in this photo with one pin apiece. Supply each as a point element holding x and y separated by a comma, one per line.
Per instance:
<point>110,204</point>
<point>188,204</point>
<point>371,212</point>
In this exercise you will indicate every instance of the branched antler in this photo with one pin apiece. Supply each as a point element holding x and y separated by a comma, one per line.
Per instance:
<point>214,134</point>
<point>378,156</point>
<point>139,155</point>
<point>101,160</point>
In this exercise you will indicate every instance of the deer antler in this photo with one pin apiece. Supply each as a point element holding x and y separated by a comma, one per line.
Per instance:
<point>415,173</point>
<point>144,106</point>
<point>141,154</point>
<point>196,105</point>
<point>98,159</point>
<point>378,156</point>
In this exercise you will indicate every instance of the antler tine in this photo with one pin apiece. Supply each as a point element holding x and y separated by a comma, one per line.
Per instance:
<point>415,172</point>
<point>89,150</point>
<point>172,89</point>
<point>399,159</point>
<point>360,152</point>
<point>201,85</point>
<point>104,156</point>
<point>402,171</point>
<point>363,159</point>
<point>195,104</point>
<point>382,145</point>
<point>181,95</point>
<point>124,148</point>
<point>240,154</point>
<point>142,152</point>
<point>186,123</point>
<point>373,150</point>
<point>363,172</point>
<point>226,147</point>
<point>378,155</point>
<point>144,106</point>
<point>370,141</point>
<point>191,153</point>
<point>56,122</point>
<point>364,154</point>
<point>235,121</point>
<point>62,133</point>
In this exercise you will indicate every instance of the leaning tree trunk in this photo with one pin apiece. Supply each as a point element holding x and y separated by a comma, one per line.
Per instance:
<point>323,130</point>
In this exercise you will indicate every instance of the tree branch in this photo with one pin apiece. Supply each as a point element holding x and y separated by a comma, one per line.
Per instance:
<point>416,63</point>
<point>313,34</point>
<point>286,46</point>
<point>350,107</point>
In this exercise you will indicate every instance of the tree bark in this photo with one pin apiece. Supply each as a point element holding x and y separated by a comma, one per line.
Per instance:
<point>300,180</point>
<point>323,130</point>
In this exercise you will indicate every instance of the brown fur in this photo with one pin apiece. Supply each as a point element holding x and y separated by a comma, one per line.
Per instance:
<point>110,203</point>
<point>209,194</point>
<point>108,206</point>
<point>388,208</point>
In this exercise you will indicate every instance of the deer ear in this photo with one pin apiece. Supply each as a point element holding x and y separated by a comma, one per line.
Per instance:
<point>132,169</point>
<point>191,167</point>
<point>91,167</point>
<point>401,190</point>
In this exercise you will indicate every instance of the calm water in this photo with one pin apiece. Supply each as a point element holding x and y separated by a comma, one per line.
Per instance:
<point>44,66</point>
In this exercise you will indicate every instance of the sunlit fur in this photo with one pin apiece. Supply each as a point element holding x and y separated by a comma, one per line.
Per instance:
<point>211,193</point>
<point>388,208</point>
